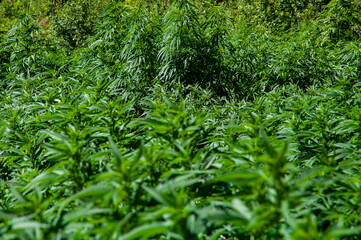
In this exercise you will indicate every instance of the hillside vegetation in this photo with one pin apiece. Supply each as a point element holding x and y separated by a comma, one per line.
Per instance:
<point>180,119</point>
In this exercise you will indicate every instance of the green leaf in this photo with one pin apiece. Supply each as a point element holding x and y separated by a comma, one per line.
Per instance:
<point>115,151</point>
<point>241,209</point>
<point>147,230</point>
<point>158,196</point>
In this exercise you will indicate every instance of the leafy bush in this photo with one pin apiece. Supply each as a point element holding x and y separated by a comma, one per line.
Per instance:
<point>74,21</point>
<point>341,20</point>
<point>194,47</point>
<point>282,14</point>
<point>12,10</point>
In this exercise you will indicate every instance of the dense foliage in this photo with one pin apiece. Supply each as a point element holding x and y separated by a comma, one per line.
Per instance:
<point>180,119</point>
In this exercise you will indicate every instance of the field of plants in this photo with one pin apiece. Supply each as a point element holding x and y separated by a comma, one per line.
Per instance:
<point>180,119</point>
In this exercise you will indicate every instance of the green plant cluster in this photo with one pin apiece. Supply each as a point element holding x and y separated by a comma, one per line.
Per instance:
<point>180,120</point>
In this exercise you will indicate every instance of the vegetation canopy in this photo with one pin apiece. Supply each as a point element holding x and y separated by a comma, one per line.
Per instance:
<point>180,119</point>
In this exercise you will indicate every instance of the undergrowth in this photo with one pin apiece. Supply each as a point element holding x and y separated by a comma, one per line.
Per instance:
<point>191,123</point>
